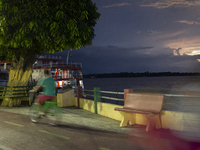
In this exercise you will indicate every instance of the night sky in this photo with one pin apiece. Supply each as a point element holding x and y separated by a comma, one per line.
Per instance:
<point>143,35</point>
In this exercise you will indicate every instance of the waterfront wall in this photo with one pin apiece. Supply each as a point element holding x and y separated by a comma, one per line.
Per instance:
<point>169,119</point>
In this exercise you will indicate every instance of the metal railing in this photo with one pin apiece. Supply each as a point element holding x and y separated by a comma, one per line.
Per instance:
<point>88,91</point>
<point>175,95</point>
<point>102,97</point>
<point>111,98</point>
<point>70,64</point>
<point>122,93</point>
<point>173,102</point>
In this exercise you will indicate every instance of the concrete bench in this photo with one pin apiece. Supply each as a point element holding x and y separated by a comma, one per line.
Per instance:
<point>150,105</point>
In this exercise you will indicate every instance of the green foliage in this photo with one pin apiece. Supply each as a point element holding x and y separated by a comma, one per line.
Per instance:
<point>34,26</point>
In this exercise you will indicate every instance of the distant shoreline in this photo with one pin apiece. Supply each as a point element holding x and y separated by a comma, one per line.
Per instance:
<point>144,74</point>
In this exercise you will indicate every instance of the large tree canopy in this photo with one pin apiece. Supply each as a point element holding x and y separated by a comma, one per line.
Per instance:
<point>32,26</point>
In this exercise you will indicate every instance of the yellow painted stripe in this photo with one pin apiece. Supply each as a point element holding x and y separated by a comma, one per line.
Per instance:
<point>61,136</point>
<point>103,148</point>
<point>14,124</point>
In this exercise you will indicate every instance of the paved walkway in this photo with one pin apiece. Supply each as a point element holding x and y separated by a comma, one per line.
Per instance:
<point>80,117</point>
<point>19,133</point>
<point>77,116</point>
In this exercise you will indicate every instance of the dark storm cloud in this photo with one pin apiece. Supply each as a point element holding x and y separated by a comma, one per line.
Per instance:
<point>110,59</point>
<point>109,51</point>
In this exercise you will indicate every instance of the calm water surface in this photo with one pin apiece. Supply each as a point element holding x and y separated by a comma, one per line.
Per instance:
<point>163,85</point>
<point>181,85</point>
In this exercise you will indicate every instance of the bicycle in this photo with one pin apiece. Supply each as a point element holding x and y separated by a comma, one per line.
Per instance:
<point>53,112</point>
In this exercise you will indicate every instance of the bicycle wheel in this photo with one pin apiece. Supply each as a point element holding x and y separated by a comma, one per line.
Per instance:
<point>34,113</point>
<point>52,115</point>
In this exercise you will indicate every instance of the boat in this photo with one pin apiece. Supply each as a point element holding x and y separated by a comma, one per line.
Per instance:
<point>64,74</point>
<point>67,74</point>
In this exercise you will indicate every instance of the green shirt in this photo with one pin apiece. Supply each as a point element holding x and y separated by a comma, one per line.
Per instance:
<point>48,86</point>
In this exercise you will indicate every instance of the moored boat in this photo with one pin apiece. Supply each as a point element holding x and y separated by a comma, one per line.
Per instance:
<point>64,74</point>
<point>67,74</point>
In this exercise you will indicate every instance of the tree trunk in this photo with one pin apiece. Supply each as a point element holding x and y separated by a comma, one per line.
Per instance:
<point>20,73</point>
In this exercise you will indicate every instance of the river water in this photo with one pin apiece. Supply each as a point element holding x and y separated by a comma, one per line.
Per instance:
<point>173,85</point>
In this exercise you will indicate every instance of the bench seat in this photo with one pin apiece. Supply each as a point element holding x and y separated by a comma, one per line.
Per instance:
<point>149,105</point>
<point>131,111</point>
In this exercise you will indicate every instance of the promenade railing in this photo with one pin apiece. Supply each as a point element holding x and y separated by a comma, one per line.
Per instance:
<point>97,95</point>
<point>171,101</point>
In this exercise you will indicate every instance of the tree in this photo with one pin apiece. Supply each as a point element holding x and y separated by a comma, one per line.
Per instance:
<point>31,27</point>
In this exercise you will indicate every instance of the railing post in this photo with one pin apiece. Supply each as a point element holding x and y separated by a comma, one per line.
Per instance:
<point>97,98</point>
<point>79,90</point>
<point>116,96</point>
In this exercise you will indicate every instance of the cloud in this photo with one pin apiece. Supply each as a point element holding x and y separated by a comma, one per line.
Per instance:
<point>189,22</point>
<point>153,32</point>
<point>117,5</point>
<point>194,52</point>
<point>177,51</point>
<point>109,59</point>
<point>189,45</point>
<point>164,39</point>
<point>106,51</point>
<point>160,4</point>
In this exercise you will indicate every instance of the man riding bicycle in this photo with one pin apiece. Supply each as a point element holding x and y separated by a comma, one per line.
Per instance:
<point>48,87</point>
